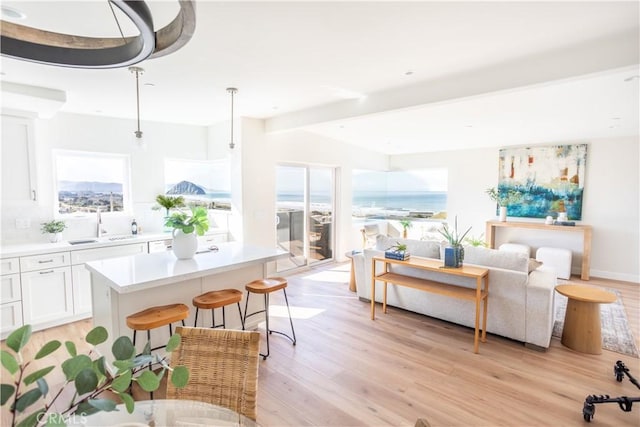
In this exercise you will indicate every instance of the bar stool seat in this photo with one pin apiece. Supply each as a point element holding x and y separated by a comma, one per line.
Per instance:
<point>154,317</point>
<point>265,287</point>
<point>216,299</point>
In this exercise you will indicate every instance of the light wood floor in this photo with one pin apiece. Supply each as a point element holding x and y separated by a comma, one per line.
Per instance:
<point>347,370</point>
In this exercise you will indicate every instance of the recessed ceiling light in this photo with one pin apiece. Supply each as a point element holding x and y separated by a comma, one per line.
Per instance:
<point>11,13</point>
<point>275,107</point>
<point>408,73</point>
<point>615,118</point>
<point>632,78</point>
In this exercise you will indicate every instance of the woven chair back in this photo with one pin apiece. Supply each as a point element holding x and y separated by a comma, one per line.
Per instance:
<point>223,368</point>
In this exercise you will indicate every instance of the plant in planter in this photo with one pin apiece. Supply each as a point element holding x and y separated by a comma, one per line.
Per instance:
<point>169,202</point>
<point>185,227</point>
<point>406,225</point>
<point>503,198</point>
<point>54,229</point>
<point>87,377</point>
<point>479,241</point>
<point>454,254</point>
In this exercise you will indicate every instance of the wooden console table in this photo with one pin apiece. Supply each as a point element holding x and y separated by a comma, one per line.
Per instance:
<point>586,231</point>
<point>479,294</point>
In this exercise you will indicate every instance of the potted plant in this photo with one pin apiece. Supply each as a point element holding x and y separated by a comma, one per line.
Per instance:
<point>54,229</point>
<point>503,198</point>
<point>406,225</point>
<point>454,253</point>
<point>185,227</point>
<point>169,202</point>
<point>32,403</point>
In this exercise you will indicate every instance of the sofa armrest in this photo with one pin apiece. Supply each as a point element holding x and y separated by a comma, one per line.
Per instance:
<point>539,307</point>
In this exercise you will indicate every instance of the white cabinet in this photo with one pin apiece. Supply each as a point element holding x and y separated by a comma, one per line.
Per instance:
<point>10,296</point>
<point>82,276</point>
<point>47,296</point>
<point>17,157</point>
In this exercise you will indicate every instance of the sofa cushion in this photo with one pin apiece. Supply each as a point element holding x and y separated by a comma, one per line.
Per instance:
<point>421,248</point>
<point>495,258</point>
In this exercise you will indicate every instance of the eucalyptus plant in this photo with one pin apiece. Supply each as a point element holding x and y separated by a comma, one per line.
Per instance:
<point>31,402</point>
<point>198,221</point>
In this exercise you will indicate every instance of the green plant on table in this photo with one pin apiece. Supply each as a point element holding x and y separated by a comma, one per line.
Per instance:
<point>31,402</point>
<point>476,241</point>
<point>169,202</point>
<point>198,221</point>
<point>53,226</point>
<point>399,247</point>
<point>503,197</point>
<point>452,236</point>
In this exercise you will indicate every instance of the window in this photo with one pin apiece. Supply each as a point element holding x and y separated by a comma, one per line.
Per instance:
<point>419,193</point>
<point>88,181</point>
<point>203,182</point>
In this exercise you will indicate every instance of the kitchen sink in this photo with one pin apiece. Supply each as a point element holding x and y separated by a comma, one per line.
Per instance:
<point>80,242</point>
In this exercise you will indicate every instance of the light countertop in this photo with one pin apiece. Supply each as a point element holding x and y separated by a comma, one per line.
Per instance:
<point>144,271</point>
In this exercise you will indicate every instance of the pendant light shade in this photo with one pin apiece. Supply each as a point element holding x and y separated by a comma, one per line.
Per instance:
<point>138,135</point>
<point>232,91</point>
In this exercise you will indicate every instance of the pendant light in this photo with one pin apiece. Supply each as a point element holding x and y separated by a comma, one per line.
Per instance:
<point>138,136</point>
<point>232,91</point>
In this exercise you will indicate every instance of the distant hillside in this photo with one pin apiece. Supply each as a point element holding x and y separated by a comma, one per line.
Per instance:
<point>90,186</point>
<point>186,187</point>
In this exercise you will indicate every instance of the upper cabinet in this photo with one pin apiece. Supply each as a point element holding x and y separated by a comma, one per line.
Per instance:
<point>18,159</point>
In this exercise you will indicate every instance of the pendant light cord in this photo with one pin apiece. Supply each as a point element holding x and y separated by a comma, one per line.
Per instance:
<point>232,91</point>
<point>138,99</point>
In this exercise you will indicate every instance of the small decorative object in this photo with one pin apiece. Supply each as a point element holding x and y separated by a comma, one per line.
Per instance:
<point>549,220</point>
<point>86,376</point>
<point>454,253</point>
<point>398,252</point>
<point>503,198</point>
<point>134,227</point>
<point>562,216</point>
<point>406,225</point>
<point>54,229</point>
<point>185,228</point>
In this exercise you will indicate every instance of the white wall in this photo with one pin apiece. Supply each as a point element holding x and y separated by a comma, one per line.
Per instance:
<point>611,201</point>
<point>107,135</point>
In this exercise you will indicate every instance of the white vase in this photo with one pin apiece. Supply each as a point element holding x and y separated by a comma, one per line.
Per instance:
<point>184,246</point>
<point>503,213</point>
<point>55,237</point>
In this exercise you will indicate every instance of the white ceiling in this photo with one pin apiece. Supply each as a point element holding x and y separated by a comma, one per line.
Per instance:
<point>395,77</point>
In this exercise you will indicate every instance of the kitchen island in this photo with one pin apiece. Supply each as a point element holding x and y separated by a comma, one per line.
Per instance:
<point>125,285</point>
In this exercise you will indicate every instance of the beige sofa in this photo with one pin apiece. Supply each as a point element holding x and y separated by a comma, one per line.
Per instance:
<point>520,302</point>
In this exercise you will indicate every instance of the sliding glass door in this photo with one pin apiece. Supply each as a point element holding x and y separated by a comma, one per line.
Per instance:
<point>304,214</point>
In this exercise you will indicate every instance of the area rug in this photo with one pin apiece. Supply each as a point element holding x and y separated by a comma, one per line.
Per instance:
<point>616,335</point>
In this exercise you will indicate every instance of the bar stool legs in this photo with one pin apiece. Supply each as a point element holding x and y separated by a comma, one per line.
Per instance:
<point>265,287</point>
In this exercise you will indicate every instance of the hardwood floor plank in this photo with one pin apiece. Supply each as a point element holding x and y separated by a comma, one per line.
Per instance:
<point>347,370</point>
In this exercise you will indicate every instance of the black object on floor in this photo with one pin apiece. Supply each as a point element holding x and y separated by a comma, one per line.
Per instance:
<point>625,403</point>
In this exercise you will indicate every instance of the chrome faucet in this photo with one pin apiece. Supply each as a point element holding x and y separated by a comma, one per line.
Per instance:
<point>100,230</point>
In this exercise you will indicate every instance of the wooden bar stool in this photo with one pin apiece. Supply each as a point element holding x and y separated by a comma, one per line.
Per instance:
<point>265,287</point>
<point>216,299</point>
<point>156,317</point>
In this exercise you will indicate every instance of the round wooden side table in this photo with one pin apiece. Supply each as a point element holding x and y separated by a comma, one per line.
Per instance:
<point>582,328</point>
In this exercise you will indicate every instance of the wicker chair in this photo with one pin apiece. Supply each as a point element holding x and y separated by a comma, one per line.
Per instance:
<point>223,368</point>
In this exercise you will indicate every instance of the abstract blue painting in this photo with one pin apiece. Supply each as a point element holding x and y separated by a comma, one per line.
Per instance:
<point>550,179</point>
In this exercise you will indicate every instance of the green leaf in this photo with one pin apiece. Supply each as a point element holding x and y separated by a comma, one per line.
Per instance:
<point>180,376</point>
<point>6,391</point>
<point>71,348</point>
<point>128,402</point>
<point>148,381</point>
<point>123,348</point>
<point>32,419</point>
<point>143,359</point>
<point>9,362</point>
<point>123,365</point>
<point>47,349</point>
<point>71,367</point>
<point>43,386</point>
<point>122,382</point>
<point>28,399</point>
<point>86,381</point>
<point>97,335</point>
<point>33,377</point>
<point>85,409</point>
<point>98,365</point>
<point>147,348</point>
<point>174,342</point>
<point>103,404</point>
<point>19,338</point>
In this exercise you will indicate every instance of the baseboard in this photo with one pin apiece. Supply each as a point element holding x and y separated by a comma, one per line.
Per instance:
<point>614,276</point>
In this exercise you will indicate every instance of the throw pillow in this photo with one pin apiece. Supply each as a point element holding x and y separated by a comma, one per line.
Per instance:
<point>534,264</point>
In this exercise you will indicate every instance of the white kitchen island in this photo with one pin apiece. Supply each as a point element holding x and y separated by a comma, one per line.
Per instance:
<point>125,285</point>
